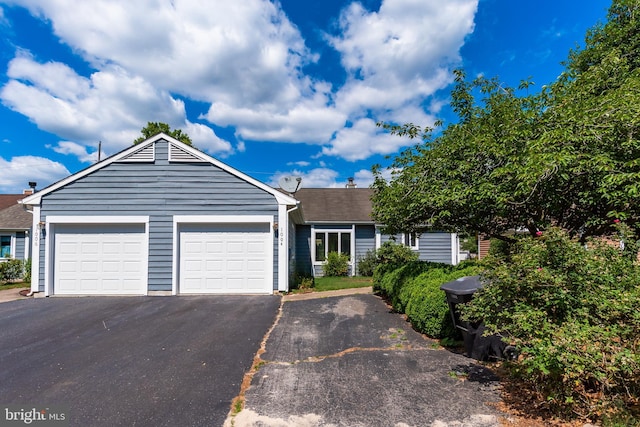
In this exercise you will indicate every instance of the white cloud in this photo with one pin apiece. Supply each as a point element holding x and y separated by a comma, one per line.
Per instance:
<point>238,53</point>
<point>315,178</point>
<point>362,140</point>
<point>80,151</point>
<point>246,60</point>
<point>396,58</point>
<point>311,121</point>
<point>205,138</point>
<point>109,106</point>
<point>19,171</point>
<point>301,163</point>
<point>364,177</point>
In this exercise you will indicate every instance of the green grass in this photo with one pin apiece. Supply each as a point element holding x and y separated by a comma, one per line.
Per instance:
<point>335,283</point>
<point>4,286</point>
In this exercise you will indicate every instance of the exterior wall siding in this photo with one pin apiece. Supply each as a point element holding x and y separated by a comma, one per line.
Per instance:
<point>434,247</point>
<point>303,249</point>
<point>365,241</point>
<point>159,190</point>
<point>20,244</point>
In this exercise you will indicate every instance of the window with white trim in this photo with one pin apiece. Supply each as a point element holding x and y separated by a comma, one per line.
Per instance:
<point>331,241</point>
<point>411,240</point>
<point>5,246</point>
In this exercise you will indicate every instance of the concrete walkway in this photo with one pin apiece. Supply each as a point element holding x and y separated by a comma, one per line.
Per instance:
<point>11,294</point>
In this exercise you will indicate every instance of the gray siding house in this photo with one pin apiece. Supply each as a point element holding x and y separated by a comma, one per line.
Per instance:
<point>160,218</point>
<point>339,220</point>
<point>15,227</point>
<point>163,218</point>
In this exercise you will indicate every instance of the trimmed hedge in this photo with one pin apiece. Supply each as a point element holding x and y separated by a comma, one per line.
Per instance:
<point>414,289</point>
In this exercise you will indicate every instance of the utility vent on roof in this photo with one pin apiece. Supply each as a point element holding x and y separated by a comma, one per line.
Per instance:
<point>146,154</point>
<point>177,154</point>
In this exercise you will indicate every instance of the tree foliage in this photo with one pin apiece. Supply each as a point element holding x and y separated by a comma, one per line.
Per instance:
<point>567,156</point>
<point>154,128</point>
<point>572,311</point>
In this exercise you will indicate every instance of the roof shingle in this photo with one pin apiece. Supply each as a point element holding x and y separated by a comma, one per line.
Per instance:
<point>12,215</point>
<point>345,205</point>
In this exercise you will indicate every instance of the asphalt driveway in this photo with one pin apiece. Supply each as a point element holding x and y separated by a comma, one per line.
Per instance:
<point>156,361</point>
<point>351,361</point>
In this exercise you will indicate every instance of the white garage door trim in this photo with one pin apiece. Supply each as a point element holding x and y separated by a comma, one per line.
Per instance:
<point>222,220</point>
<point>50,230</point>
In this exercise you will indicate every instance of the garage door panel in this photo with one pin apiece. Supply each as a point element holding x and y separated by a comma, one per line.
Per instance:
<point>89,266</point>
<point>232,258</point>
<point>99,259</point>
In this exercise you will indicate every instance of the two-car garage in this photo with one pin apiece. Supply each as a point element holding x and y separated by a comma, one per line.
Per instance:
<point>160,218</point>
<point>112,258</point>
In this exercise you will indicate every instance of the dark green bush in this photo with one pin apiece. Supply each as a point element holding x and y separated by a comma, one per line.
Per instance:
<point>414,289</point>
<point>11,270</point>
<point>337,264</point>
<point>395,254</point>
<point>367,264</point>
<point>573,311</point>
<point>426,305</point>
<point>389,279</point>
<point>27,271</point>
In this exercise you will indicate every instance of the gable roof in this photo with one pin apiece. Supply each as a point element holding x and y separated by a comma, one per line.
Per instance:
<point>13,216</point>
<point>336,205</point>
<point>140,148</point>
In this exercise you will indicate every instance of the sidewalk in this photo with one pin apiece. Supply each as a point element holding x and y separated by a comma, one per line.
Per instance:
<point>11,294</point>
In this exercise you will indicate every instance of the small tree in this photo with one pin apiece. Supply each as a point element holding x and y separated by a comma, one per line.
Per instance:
<point>154,128</point>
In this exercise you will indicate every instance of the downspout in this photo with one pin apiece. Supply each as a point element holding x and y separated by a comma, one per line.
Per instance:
<point>31,292</point>
<point>295,208</point>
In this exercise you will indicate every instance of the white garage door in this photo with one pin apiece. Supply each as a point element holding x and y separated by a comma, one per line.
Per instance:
<point>100,259</point>
<point>225,258</point>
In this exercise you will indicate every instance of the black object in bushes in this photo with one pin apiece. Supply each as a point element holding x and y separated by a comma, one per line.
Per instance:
<point>477,346</point>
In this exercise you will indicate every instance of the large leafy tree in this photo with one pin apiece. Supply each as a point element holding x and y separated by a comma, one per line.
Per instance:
<point>566,156</point>
<point>154,128</point>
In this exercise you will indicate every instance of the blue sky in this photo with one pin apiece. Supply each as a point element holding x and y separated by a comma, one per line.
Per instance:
<point>272,89</point>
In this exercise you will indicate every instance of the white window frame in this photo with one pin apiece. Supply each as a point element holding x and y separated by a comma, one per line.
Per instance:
<point>406,240</point>
<point>12,245</point>
<point>326,231</point>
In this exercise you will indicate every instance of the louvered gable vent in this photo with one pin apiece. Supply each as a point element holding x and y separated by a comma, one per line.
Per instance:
<point>146,154</point>
<point>177,154</point>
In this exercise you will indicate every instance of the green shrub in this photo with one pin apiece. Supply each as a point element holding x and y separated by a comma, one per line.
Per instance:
<point>414,289</point>
<point>303,281</point>
<point>11,270</point>
<point>395,254</point>
<point>426,305</point>
<point>337,264</point>
<point>367,264</point>
<point>393,281</point>
<point>27,271</point>
<point>572,310</point>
